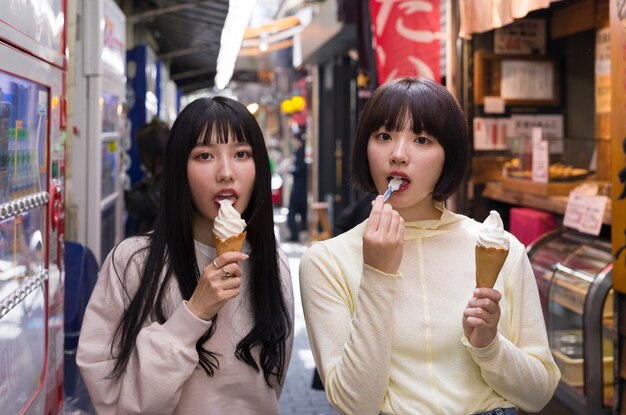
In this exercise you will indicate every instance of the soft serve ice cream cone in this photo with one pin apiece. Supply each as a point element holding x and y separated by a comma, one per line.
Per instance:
<point>228,229</point>
<point>492,248</point>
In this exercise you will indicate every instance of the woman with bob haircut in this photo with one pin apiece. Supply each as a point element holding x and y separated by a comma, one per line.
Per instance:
<point>173,328</point>
<point>396,323</point>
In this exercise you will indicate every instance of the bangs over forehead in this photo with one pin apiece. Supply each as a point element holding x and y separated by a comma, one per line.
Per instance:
<point>416,106</point>
<point>224,123</point>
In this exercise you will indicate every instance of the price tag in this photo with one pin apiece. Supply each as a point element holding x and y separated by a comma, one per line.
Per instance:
<point>585,213</point>
<point>541,157</point>
<point>494,105</point>
<point>594,212</point>
<point>574,211</point>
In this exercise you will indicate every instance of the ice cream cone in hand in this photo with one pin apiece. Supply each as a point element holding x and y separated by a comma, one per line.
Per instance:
<point>492,248</point>
<point>232,244</point>
<point>489,262</point>
<point>228,229</point>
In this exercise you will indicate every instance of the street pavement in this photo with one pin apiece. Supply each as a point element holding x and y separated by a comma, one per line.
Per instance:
<point>297,396</point>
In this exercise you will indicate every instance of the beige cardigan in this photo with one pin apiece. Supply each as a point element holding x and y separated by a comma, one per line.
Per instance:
<point>163,375</point>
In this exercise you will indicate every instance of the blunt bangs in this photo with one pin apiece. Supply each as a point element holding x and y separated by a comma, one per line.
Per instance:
<point>425,106</point>
<point>224,123</point>
<point>409,103</point>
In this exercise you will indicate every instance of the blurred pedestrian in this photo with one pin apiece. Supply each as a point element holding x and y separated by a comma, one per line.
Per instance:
<point>297,216</point>
<point>142,200</point>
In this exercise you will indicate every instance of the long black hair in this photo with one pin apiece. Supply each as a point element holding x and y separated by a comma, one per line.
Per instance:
<point>171,253</point>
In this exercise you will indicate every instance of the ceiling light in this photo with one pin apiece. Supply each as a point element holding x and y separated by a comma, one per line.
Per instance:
<point>237,19</point>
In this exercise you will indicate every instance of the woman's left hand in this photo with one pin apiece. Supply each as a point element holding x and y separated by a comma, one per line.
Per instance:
<point>481,317</point>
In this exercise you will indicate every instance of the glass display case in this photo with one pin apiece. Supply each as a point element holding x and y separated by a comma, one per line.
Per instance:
<point>573,273</point>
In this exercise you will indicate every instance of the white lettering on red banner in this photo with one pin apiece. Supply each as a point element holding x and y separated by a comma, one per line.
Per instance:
<point>406,38</point>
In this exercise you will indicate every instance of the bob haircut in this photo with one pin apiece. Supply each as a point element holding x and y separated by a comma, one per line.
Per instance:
<point>171,245</point>
<point>432,110</point>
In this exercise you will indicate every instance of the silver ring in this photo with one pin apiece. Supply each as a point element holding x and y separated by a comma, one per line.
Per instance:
<point>225,273</point>
<point>215,263</point>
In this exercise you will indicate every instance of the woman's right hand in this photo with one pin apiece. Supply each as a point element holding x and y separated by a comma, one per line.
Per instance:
<point>383,238</point>
<point>214,289</point>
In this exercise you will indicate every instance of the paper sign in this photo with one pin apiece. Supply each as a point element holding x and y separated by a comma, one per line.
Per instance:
<point>551,126</point>
<point>541,157</point>
<point>522,37</point>
<point>494,105</point>
<point>491,133</point>
<point>527,80</point>
<point>585,213</point>
<point>574,211</point>
<point>594,213</point>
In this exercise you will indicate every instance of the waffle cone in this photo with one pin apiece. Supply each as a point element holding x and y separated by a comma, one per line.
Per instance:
<point>232,244</point>
<point>489,262</point>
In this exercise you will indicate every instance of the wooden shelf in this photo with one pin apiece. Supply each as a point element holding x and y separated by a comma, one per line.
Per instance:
<point>554,204</point>
<point>488,78</point>
<point>540,189</point>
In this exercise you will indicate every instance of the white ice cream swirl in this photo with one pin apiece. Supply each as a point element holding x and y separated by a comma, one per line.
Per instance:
<point>228,221</point>
<point>492,233</point>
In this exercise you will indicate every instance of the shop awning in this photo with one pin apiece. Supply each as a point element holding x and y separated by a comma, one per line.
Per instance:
<point>325,36</point>
<point>479,16</point>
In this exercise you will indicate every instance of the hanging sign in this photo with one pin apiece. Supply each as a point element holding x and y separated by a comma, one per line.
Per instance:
<point>522,37</point>
<point>541,156</point>
<point>406,37</point>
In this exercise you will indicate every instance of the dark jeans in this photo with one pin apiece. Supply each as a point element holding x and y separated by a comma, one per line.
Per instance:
<point>499,411</point>
<point>297,206</point>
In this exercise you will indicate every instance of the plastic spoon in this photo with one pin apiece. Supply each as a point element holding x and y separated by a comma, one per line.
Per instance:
<point>394,184</point>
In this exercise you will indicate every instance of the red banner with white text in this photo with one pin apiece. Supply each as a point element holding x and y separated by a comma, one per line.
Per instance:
<point>406,36</point>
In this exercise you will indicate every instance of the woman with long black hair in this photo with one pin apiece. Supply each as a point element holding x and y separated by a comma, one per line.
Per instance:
<point>173,328</point>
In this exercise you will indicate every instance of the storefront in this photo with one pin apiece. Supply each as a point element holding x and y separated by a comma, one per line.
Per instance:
<point>329,49</point>
<point>544,96</point>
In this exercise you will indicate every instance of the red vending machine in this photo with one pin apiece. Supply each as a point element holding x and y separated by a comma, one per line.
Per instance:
<point>32,165</point>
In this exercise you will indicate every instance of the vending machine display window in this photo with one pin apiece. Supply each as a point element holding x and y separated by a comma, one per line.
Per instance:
<point>23,137</point>
<point>110,169</point>
<point>110,117</point>
<point>24,132</point>
<point>22,347</point>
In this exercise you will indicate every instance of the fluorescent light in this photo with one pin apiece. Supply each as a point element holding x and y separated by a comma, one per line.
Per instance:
<point>237,19</point>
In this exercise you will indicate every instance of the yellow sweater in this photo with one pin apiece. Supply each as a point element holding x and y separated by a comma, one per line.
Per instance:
<point>394,343</point>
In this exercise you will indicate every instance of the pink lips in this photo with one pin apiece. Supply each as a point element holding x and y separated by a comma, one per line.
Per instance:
<point>402,175</point>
